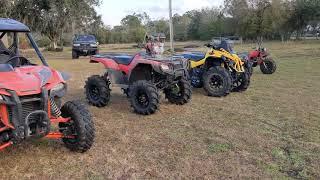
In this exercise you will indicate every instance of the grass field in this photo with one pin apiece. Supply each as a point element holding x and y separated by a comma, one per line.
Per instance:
<point>270,131</point>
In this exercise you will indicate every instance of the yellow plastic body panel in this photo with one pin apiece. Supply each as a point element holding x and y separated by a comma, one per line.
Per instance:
<point>218,54</point>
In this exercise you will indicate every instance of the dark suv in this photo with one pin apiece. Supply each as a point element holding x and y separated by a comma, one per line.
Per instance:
<point>84,45</point>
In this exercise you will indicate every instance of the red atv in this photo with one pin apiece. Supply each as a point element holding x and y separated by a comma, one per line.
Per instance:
<point>140,77</point>
<point>30,97</point>
<point>261,57</point>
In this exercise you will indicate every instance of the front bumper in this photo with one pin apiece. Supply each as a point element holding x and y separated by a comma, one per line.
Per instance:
<point>85,50</point>
<point>24,110</point>
<point>178,69</point>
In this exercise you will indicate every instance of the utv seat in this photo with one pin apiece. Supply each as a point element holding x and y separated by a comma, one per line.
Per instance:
<point>194,56</point>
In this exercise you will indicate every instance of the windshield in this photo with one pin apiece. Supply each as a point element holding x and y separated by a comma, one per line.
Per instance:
<point>16,49</point>
<point>86,38</point>
<point>226,45</point>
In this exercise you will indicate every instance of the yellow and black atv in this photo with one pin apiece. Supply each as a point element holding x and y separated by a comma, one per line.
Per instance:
<point>219,71</point>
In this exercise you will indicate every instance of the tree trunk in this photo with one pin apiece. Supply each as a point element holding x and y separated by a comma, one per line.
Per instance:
<point>55,44</point>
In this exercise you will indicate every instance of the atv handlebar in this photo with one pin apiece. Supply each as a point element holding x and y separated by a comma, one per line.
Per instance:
<point>209,45</point>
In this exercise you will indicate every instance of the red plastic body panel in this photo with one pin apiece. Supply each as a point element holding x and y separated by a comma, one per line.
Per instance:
<point>27,80</point>
<point>5,118</point>
<point>254,54</point>
<point>258,56</point>
<point>111,64</point>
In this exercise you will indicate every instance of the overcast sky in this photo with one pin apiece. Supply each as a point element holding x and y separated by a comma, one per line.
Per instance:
<point>113,11</point>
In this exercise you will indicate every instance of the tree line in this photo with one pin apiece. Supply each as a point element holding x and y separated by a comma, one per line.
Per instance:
<point>247,19</point>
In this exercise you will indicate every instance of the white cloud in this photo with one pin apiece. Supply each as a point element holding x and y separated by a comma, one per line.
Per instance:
<point>113,11</point>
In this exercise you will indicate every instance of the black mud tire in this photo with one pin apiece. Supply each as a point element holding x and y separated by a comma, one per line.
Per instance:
<point>97,91</point>
<point>75,55</point>
<point>196,79</point>
<point>183,95</point>
<point>249,68</point>
<point>144,97</point>
<point>243,82</point>
<point>81,126</point>
<point>217,76</point>
<point>268,66</point>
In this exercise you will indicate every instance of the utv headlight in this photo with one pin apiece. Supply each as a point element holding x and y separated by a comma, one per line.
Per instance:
<point>76,45</point>
<point>166,68</point>
<point>58,90</point>
<point>93,45</point>
<point>1,98</point>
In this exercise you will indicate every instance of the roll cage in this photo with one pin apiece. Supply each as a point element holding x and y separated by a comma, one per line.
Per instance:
<point>15,44</point>
<point>15,27</point>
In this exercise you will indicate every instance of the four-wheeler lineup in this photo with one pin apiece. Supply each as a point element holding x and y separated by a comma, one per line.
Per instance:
<point>30,97</point>
<point>30,94</point>
<point>141,77</point>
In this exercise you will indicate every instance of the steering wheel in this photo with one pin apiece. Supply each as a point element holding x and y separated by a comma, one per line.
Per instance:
<point>12,57</point>
<point>6,52</point>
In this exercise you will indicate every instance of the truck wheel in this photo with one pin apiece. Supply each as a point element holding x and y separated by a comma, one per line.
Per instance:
<point>97,91</point>
<point>80,126</point>
<point>179,93</point>
<point>144,97</point>
<point>217,81</point>
<point>243,82</point>
<point>75,55</point>
<point>268,66</point>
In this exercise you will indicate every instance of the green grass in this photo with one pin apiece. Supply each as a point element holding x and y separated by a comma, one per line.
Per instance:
<point>271,131</point>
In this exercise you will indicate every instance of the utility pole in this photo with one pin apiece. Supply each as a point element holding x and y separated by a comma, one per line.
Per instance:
<point>171,26</point>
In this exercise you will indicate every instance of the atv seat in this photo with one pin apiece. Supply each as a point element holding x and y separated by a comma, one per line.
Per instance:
<point>119,58</point>
<point>194,56</point>
<point>125,60</point>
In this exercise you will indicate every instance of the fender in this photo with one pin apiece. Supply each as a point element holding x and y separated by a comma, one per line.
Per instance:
<point>219,54</point>
<point>140,60</point>
<point>254,54</point>
<point>108,63</point>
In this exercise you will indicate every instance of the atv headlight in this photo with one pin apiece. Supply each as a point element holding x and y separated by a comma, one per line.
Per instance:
<point>165,68</point>
<point>76,45</point>
<point>93,45</point>
<point>1,98</point>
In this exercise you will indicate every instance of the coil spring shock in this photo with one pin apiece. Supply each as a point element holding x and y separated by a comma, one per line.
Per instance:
<point>55,111</point>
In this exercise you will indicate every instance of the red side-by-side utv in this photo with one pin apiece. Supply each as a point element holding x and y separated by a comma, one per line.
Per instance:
<point>30,97</point>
